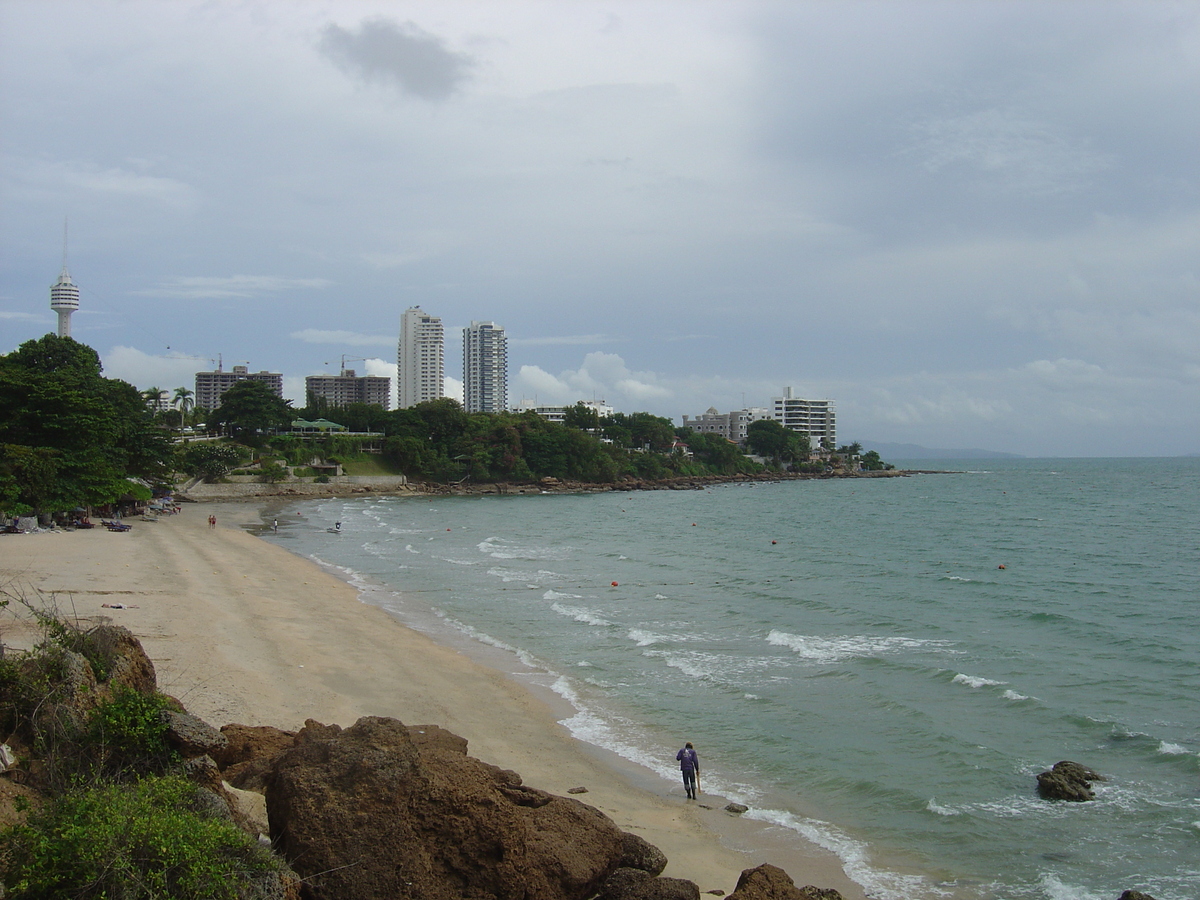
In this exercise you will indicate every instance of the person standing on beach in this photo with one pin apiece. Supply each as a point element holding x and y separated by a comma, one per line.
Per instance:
<point>689,765</point>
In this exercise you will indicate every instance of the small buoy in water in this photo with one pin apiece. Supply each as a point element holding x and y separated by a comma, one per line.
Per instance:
<point>614,584</point>
<point>774,542</point>
<point>1002,566</point>
<point>447,529</point>
<point>693,524</point>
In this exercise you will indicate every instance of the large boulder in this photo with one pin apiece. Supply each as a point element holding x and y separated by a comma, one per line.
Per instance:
<point>191,735</point>
<point>635,884</point>
<point>249,754</point>
<point>1068,781</point>
<point>767,882</point>
<point>364,813</point>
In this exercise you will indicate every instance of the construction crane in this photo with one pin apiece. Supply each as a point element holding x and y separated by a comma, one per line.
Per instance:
<point>346,359</point>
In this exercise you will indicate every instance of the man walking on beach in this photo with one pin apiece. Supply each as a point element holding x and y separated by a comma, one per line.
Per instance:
<point>689,765</point>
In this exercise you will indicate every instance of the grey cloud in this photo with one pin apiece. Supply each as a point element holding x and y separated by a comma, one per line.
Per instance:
<point>405,56</point>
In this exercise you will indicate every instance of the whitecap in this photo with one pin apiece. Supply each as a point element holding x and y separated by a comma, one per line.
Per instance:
<point>975,681</point>
<point>1057,889</point>
<point>646,638</point>
<point>934,807</point>
<point>1169,749</point>
<point>834,649</point>
<point>579,614</point>
<point>1013,695</point>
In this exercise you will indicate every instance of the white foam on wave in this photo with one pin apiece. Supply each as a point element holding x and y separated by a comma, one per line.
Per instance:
<point>956,578</point>
<point>510,575</point>
<point>499,548</point>
<point>527,659</point>
<point>409,549</point>
<point>976,682</point>
<point>660,597</point>
<point>1169,749</point>
<point>853,854</point>
<point>1013,695</point>
<point>644,638</point>
<point>558,595</point>
<point>580,614</point>
<point>1057,889</point>
<point>834,649</point>
<point>935,807</point>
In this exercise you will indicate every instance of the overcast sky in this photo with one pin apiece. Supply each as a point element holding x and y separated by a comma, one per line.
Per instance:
<point>970,224</point>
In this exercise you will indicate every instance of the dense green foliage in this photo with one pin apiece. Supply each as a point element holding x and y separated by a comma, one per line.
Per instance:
<point>771,439</point>
<point>142,841</point>
<point>210,459</point>
<point>249,411</point>
<point>70,436</point>
<point>440,441</point>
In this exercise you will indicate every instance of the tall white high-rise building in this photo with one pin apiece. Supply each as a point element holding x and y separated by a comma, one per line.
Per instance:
<point>420,359</point>
<point>485,368</point>
<point>64,294</point>
<point>816,418</point>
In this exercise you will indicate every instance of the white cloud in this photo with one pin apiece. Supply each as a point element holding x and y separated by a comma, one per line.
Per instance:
<point>145,370</point>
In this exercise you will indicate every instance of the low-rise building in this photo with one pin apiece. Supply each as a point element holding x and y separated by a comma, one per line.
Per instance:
<point>731,425</point>
<point>557,413</point>
<point>349,387</point>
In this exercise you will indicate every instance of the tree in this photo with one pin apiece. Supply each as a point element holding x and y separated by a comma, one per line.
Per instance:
<point>581,416</point>
<point>183,402</point>
<point>770,438</point>
<point>249,411</point>
<point>75,437</point>
<point>209,459</point>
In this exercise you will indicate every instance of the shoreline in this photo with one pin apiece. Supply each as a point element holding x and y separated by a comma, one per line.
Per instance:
<point>286,491</point>
<point>242,630</point>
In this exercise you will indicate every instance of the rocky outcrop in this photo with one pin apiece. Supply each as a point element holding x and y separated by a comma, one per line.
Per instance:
<point>192,736</point>
<point>364,812</point>
<point>249,754</point>
<point>767,882</point>
<point>1068,781</point>
<point>634,884</point>
<point>638,853</point>
<point>1135,895</point>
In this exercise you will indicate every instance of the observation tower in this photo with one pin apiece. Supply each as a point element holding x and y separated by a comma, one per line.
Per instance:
<point>64,294</point>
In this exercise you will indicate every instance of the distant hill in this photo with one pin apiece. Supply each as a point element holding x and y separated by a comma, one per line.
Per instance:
<point>889,452</point>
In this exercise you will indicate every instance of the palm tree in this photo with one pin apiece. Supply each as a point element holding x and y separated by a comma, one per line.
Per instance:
<point>183,401</point>
<point>152,396</point>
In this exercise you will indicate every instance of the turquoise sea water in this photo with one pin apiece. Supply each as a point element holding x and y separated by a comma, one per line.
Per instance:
<point>850,658</point>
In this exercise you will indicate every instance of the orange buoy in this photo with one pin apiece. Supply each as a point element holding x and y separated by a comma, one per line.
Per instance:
<point>774,542</point>
<point>1002,566</point>
<point>614,584</point>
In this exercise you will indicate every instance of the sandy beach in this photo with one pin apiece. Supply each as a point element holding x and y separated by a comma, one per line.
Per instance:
<point>243,631</point>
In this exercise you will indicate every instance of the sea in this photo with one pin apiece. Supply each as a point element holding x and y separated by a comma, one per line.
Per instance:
<point>879,666</point>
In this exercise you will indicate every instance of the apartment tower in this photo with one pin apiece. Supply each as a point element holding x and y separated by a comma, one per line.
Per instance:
<point>420,359</point>
<point>485,368</point>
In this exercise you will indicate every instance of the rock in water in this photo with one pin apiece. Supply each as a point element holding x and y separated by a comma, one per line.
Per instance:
<point>364,813</point>
<point>1068,781</point>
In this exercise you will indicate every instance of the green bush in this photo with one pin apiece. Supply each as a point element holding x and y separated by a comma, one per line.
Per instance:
<point>131,730</point>
<point>141,841</point>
